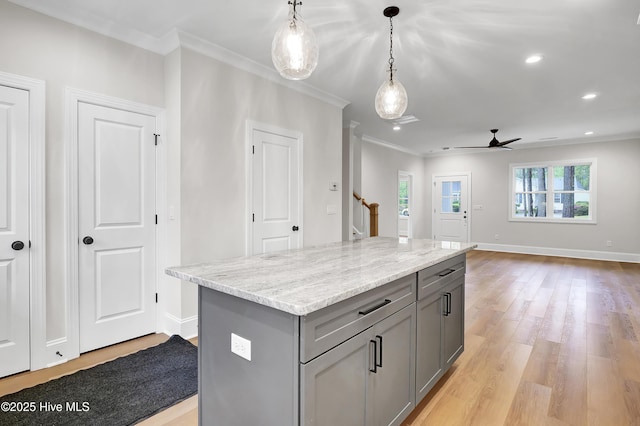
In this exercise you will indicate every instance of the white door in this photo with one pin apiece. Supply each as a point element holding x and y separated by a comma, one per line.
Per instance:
<point>116,192</point>
<point>404,205</point>
<point>14,231</point>
<point>451,207</point>
<point>276,197</point>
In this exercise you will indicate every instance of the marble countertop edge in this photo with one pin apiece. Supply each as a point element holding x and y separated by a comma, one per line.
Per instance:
<point>309,279</point>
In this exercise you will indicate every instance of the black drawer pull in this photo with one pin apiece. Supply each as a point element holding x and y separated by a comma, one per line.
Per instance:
<point>445,273</point>
<point>376,307</point>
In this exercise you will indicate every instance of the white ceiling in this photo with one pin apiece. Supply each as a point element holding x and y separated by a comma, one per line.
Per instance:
<point>461,61</point>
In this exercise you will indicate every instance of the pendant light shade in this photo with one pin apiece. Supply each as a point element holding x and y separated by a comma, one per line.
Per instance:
<point>391,99</point>
<point>294,50</point>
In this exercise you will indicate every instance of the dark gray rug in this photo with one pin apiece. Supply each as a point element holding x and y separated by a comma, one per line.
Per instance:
<point>119,392</point>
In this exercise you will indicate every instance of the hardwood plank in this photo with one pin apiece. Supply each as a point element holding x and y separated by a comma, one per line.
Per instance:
<point>530,405</point>
<point>606,394</point>
<point>543,363</point>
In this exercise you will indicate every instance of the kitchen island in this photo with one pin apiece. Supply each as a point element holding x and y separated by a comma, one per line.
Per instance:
<point>345,333</point>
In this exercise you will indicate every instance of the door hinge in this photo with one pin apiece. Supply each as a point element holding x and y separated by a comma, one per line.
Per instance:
<point>155,135</point>
<point>29,243</point>
<point>156,219</point>
<point>156,297</point>
<point>253,217</point>
<point>253,149</point>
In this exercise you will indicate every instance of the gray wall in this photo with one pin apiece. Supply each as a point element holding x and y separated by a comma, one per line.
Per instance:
<point>216,102</point>
<point>618,199</point>
<point>380,166</point>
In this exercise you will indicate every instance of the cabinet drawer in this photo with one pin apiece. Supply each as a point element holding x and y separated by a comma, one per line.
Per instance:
<point>434,277</point>
<point>328,327</point>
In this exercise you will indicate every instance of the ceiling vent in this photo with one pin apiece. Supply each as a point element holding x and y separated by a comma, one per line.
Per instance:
<point>405,119</point>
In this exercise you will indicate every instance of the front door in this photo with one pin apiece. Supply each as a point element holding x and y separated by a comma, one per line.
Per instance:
<point>276,198</point>
<point>116,192</point>
<point>451,208</point>
<point>14,231</point>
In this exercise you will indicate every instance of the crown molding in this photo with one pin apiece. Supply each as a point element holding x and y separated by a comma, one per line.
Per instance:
<point>229,57</point>
<point>371,139</point>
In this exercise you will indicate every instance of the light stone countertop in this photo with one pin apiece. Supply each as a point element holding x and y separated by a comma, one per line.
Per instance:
<point>303,281</point>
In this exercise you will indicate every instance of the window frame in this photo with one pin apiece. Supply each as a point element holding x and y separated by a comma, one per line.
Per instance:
<point>551,191</point>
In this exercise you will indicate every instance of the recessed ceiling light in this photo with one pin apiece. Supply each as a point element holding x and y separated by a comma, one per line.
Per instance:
<point>533,59</point>
<point>396,128</point>
<point>589,96</point>
<point>589,133</point>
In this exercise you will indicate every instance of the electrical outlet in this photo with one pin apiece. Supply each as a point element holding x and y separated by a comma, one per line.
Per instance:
<point>496,237</point>
<point>609,243</point>
<point>241,346</point>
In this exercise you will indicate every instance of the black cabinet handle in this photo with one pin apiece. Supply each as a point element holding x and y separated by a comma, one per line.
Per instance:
<point>446,304</point>
<point>374,308</point>
<point>87,240</point>
<point>375,355</point>
<point>449,303</point>
<point>445,273</point>
<point>380,352</point>
<point>17,245</point>
<point>295,228</point>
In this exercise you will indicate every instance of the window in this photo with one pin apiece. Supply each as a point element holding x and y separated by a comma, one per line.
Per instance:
<point>555,191</point>
<point>403,196</point>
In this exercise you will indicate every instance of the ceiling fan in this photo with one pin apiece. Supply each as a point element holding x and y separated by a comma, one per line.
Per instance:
<point>495,143</point>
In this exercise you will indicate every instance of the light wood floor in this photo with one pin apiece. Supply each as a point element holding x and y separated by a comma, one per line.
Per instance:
<point>549,341</point>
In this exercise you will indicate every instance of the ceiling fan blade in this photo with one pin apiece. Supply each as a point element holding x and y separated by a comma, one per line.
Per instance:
<point>465,147</point>
<point>509,141</point>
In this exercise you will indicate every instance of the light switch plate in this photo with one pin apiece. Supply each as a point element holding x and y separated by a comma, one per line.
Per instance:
<point>241,346</point>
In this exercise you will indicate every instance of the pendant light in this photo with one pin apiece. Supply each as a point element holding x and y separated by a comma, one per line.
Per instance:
<point>391,99</point>
<point>294,50</point>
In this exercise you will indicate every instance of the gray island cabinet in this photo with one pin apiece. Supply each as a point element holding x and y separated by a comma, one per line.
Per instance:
<point>351,333</point>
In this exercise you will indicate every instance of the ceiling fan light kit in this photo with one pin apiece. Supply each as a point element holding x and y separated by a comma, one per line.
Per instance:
<point>294,50</point>
<point>391,99</point>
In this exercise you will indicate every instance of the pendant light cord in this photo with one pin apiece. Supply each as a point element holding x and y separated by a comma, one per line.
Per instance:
<point>390,48</point>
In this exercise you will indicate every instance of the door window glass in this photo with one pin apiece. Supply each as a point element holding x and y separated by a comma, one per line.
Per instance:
<point>451,196</point>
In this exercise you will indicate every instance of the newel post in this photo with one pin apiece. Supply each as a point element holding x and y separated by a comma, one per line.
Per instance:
<point>373,215</point>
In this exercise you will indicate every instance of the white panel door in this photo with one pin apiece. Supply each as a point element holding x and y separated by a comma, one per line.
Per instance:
<point>14,231</point>
<point>276,211</point>
<point>116,192</point>
<point>450,208</point>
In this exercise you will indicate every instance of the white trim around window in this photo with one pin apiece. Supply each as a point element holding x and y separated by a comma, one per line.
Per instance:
<point>524,199</point>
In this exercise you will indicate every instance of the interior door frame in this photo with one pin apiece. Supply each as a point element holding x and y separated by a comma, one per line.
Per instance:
<point>468,199</point>
<point>37,214</point>
<point>250,126</point>
<point>71,342</point>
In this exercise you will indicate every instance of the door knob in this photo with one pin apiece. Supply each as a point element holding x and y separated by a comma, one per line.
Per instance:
<point>295,228</point>
<point>17,245</point>
<point>87,240</point>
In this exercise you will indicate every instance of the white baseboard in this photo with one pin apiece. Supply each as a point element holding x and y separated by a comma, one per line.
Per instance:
<point>185,327</point>
<point>549,251</point>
